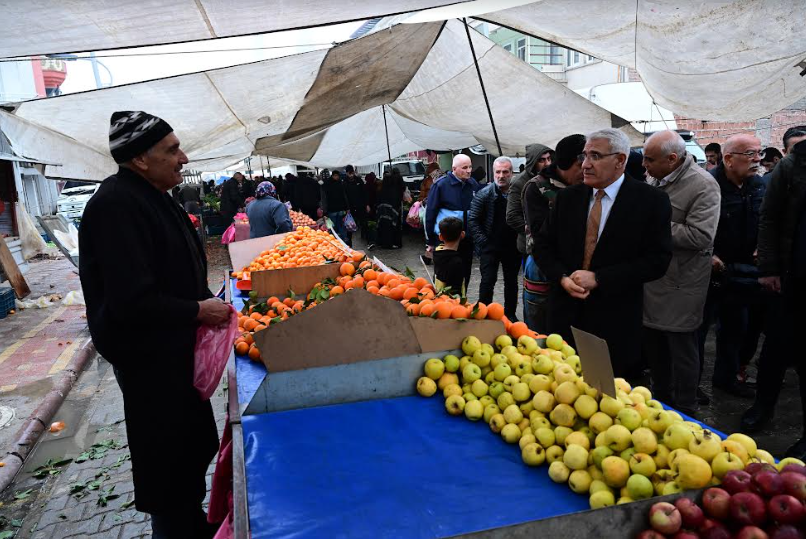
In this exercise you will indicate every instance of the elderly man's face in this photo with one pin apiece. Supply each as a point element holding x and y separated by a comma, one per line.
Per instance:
<point>543,161</point>
<point>162,164</point>
<point>739,163</point>
<point>601,166</point>
<point>656,164</point>
<point>462,168</point>
<point>502,174</point>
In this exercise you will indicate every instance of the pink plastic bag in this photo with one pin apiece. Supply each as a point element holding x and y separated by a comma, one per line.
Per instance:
<point>229,235</point>
<point>213,347</point>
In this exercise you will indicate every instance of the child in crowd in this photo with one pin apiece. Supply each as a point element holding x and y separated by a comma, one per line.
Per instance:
<point>448,267</point>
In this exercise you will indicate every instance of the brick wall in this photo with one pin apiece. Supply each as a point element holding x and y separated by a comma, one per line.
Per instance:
<point>769,130</point>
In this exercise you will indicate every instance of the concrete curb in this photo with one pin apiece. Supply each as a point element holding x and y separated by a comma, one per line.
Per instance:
<point>40,419</point>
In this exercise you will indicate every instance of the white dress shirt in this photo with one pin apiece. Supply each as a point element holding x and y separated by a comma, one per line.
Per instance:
<point>611,192</point>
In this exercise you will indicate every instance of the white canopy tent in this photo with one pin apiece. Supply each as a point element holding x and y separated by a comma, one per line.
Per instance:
<point>332,108</point>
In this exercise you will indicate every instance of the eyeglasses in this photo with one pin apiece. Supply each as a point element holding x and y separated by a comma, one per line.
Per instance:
<point>750,154</point>
<point>593,156</point>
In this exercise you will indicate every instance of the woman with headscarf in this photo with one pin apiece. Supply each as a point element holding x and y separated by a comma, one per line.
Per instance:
<point>432,174</point>
<point>390,201</point>
<point>267,215</point>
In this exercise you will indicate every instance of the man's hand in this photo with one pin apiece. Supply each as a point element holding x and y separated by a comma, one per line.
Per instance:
<point>772,283</point>
<point>717,266</point>
<point>585,279</point>
<point>213,312</point>
<point>573,289</point>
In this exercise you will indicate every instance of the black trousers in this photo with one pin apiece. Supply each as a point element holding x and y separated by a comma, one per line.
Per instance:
<point>489,260</point>
<point>466,252</point>
<point>190,524</point>
<point>674,363</point>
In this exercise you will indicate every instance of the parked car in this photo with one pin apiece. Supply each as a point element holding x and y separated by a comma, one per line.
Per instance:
<point>692,146</point>
<point>72,200</point>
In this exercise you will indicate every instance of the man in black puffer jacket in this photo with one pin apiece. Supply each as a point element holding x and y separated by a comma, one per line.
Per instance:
<point>496,243</point>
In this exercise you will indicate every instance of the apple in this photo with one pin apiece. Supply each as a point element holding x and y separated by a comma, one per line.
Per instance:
<point>661,457</point>
<point>768,483</point>
<point>642,464</point>
<point>586,406</point>
<point>650,534</point>
<point>554,453</point>
<point>716,503</point>
<point>505,399</point>
<point>665,518</point>
<point>455,405</point>
<point>659,420</point>
<point>748,508</point>
<point>600,422</point>
<point>738,449</point>
<point>610,406</point>
<point>451,389</point>
<point>511,433</point>
<point>560,434</point>
<point>527,345</point>
<point>545,436</point>
<point>502,341</point>
<point>497,423</point>
<point>751,532</point>
<point>447,379</point>
<point>513,414</point>
<point>748,443</point>
<point>580,481</point>
<point>470,344</point>
<point>489,411</point>
<point>574,362</point>
<point>785,532</point>
<point>786,509</point>
<point>578,438</point>
<point>603,498</point>
<point>564,373</point>
<point>725,462</point>
<point>672,487</point>
<point>540,382</point>
<point>520,392</point>
<point>765,456</point>
<point>474,410</point>
<point>563,415</point>
<point>616,471</point>
<point>434,368</point>
<point>618,437</point>
<point>496,389</point>
<point>479,388</point>
<point>797,468</point>
<point>789,460</point>
<point>794,484</point>
<point>567,393</point>
<point>471,373</point>
<point>533,454</point>
<point>559,472</point>
<point>736,481</point>
<point>686,534</point>
<point>542,364</point>
<point>644,440</point>
<point>691,513</point>
<point>599,454</point>
<point>426,386</point>
<point>501,372</point>
<point>630,418</point>
<point>639,487</point>
<point>575,457</point>
<point>677,436</point>
<point>705,444</point>
<point>716,531</point>
<point>554,341</point>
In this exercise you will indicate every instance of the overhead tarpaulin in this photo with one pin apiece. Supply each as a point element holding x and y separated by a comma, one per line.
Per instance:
<point>326,108</point>
<point>32,28</point>
<point>64,157</point>
<point>727,60</point>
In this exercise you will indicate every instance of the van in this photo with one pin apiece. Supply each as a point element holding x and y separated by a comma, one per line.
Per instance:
<point>72,200</point>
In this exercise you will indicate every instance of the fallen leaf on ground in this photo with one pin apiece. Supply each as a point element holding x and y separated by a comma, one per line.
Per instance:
<point>57,426</point>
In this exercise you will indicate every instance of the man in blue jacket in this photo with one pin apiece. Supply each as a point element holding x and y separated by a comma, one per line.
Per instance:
<point>450,196</point>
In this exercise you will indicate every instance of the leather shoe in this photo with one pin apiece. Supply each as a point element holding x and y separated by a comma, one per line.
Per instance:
<point>702,398</point>
<point>736,389</point>
<point>798,450</point>
<point>756,418</point>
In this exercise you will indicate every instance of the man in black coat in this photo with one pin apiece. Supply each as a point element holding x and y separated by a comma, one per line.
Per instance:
<point>144,276</point>
<point>232,198</point>
<point>603,240</point>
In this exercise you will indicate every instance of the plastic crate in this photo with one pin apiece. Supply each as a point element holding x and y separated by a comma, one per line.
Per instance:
<point>6,300</point>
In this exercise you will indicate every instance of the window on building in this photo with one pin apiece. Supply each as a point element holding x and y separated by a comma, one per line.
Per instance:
<point>522,49</point>
<point>508,47</point>
<point>576,58</point>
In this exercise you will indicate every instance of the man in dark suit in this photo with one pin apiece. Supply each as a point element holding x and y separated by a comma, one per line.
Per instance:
<point>602,241</point>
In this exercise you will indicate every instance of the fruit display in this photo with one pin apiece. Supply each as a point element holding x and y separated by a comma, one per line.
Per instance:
<point>613,449</point>
<point>762,501</point>
<point>299,219</point>
<point>302,247</point>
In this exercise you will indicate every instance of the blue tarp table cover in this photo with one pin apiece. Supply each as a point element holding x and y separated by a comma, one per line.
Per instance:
<point>249,373</point>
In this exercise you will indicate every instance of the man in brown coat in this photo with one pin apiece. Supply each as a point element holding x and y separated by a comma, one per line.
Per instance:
<point>673,304</point>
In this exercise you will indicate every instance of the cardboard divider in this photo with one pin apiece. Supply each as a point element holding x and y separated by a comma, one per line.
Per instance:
<point>434,335</point>
<point>241,253</point>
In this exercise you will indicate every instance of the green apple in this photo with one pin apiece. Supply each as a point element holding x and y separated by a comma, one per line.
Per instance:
<point>788,460</point>
<point>580,481</point>
<point>556,356</point>
<point>637,398</point>
<point>559,472</point>
<point>513,414</point>
<point>610,406</point>
<point>511,433</point>
<point>533,454</point>
<point>481,358</point>
<point>434,368</point>
<point>485,372</point>
<point>597,485</point>
<point>705,445</point>
<point>672,487</point>
<point>600,422</point>
<point>627,453</point>
<point>578,438</point>
<point>544,401</point>
<point>595,473</point>
<point>540,422</point>
<point>599,454</point>
<point>585,406</point>
<point>466,388</point>
<point>644,440</point>
<point>455,405</point>
<point>640,487</point>
<point>567,393</point>
<point>474,410</point>
<point>479,388</point>
<point>677,436</point>
<point>642,464</point>
<point>560,434</point>
<point>488,348</point>
<point>538,383</point>
<point>451,389</point>
<point>509,350</point>
<point>661,457</point>
<point>659,421</point>
<point>469,397</point>
<point>486,400</point>
<point>451,363</point>
<point>426,386</point>
<point>623,397</point>
<point>576,457</point>
<point>505,399</point>
<point>542,364</point>
<point>471,373</point>
<point>489,411</point>
<point>545,437</point>
<point>464,362</point>
<point>618,438</point>
<point>601,439</point>
<point>725,462</point>
<point>526,378</point>
<point>748,443</point>
<point>510,381</point>
<point>563,415</point>
<point>502,341</point>
<point>765,456</point>
<point>693,472</point>
<point>643,391</point>
<point>497,423</point>
<point>527,408</point>
<point>588,433</point>
<point>497,359</point>
<point>520,392</point>
<point>554,453</point>
<point>564,373</point>
<point>489,378</point>
<point>732,446</point>
<point>527,345</point>
<point>555,342</point>
<point>470,344</point>
<point>652,403</point>
<point>496,388</point>
<point>693,427</point>
<point>574,362</point>
<point>616,471</point>
<point>524,367</point>
<point>568,350</point>
<point>526,438</point>
<point>602,498</point>
<point>628,418</point>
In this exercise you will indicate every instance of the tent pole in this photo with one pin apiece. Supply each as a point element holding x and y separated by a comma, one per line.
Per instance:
<point>483,90</point>
<point>386,129</point>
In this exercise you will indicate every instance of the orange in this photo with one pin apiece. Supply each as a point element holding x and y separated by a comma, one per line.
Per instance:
<point>358,256</point>
<point>365,264</point>
<point>384,292</point>
<point>248,339</point>
<point>459,311</point>
<point>517,329</point>
<point>241,348</point>
<point>444,310</point>
<point>374,283</point>
<point>373,289</point>
<point>350,285</point>
<point>495,311</point>
<point>382,277</point>
<point>358,282</point>
<point>410,293</point>
<point>347,269</point>
<point>255,316</point>
<point>397,292</point>
<point>370,274</point>
<point>250,324</point>
<point>413,309</point>
<point>481,311</point>
<point>288,302</point>
<point>427,309</point>
<point>259,327</point>
<point>393,282</point>
<point>507,323</point>
<point>427,293</point>
<point>336,290</point>
<point>254,353</point>
<point>272,300</point>
<point>420,282</point>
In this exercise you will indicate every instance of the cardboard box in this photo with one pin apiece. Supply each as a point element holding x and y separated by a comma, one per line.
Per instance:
<point>359,326</point>
<point>277,282</point>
